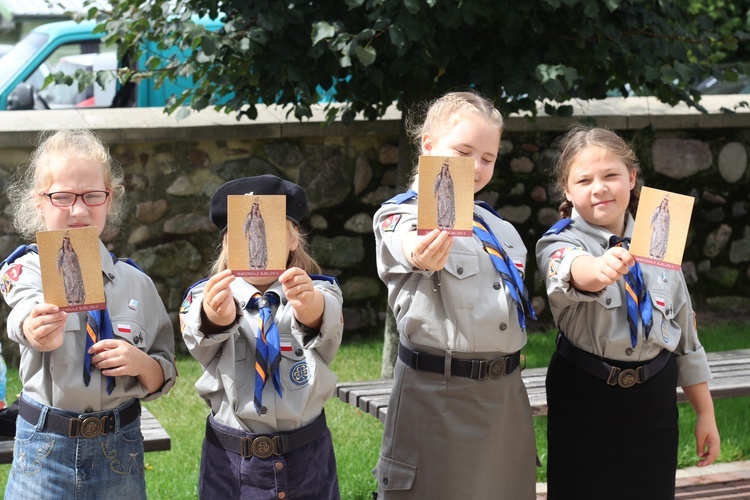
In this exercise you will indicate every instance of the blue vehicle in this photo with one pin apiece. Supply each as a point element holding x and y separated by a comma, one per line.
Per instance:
<point>69,46</point>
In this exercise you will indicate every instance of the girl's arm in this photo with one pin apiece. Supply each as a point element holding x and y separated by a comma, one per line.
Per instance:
<point>707,441</point>
<point>592,274</point>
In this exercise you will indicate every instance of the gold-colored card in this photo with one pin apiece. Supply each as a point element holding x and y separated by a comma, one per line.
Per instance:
<point>661,228</point>
<point>446,194</point>
<point>257,234</point>
<point>71,268</point>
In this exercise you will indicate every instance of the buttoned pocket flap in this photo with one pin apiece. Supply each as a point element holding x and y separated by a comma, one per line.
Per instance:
<point>393,475</point>
<point>662,303</point>
<point>462,264</point>
<point>610,298</point>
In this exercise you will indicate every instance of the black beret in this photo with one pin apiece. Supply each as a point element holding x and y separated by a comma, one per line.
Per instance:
<point>296,202</point>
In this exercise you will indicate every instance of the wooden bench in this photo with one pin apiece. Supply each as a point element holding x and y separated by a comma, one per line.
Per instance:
<point>730,370</point>
<point>155,438</point>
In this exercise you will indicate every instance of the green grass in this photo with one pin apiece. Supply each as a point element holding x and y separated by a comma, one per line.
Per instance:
<point>356,436</point>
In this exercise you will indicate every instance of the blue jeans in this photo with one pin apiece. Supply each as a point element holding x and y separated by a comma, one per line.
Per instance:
<point>54,466</point>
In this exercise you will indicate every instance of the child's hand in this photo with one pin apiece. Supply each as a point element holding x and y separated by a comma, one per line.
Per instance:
<point>611,266</point>
<point>44,327</point>
<point>307,302</point>
<point>117,358</point>
<point>218,301</point>
<point>707,441</point>
<point>430,252</point>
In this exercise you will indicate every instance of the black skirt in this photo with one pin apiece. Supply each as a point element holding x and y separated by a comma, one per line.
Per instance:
<point>607,442</point>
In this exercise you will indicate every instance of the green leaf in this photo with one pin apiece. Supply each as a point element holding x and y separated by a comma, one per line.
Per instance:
<point>321,31</point>
<point>182,113</point>
<point>366,54</point>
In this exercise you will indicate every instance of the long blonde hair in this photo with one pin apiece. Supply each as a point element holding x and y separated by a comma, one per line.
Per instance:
<point>581,138</point>
<point>31,179</point>
<point>297,258</point>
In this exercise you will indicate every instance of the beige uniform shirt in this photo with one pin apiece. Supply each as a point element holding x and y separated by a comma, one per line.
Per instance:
<point>465,307</point>
<point>228,358</point>
<point>138,317</point>
<point>597,322</point>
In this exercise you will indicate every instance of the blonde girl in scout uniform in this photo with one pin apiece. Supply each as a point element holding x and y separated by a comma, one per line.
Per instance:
<point>79,436</point>
<point>459,423</point>
<point>612,424</point>
<point>265,440</point>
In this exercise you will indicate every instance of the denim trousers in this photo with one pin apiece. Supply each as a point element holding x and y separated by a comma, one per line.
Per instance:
<point>51,465</point>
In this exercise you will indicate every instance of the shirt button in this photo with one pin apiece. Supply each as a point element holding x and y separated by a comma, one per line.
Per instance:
<point>88,410</point>
<point>284,301</point>
<point>629,351</point>
<point>111,276</point>
<point>460,270</point>
<point>279,465</point>
<point>503,326</point>
<point>385,480</point>
<point>496,285</point>
<point>609,300</point>
<point>299,352</point>
<point>242,305</point>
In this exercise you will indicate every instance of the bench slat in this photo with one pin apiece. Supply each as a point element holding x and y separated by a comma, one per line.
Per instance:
<point>730,370</point>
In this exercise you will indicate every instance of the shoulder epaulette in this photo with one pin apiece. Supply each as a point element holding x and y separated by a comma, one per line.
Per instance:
<point>184,295</point>
<point>400,198</point>
<point>323,277</point>
<point>559,226</point>
<point>126,260</point>
<point>19,252</point>
<point>489,208</point>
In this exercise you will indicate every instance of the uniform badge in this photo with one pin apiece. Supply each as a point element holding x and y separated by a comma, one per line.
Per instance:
<point>185,306</point>
<point>300,373</point>
<point>664,335</point>
<point>390,223</point>
<point>14,272</point>
<point>661,303</point>
<point>124,328</point>
<point>9,278</point>
<point>286,347</point>
<point>133,304</point>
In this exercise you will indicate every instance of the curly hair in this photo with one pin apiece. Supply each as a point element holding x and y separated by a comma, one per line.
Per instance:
<point>580,138</point>
<point>445,112</point>
<point>35,176</point>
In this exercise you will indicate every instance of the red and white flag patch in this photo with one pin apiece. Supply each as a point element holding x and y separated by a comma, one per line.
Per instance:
<point>661,303</point>
<point>124,328</point>
<point>286,346</point>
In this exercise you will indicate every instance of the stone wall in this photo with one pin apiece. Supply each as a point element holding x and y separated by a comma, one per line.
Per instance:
<point>172,168</point>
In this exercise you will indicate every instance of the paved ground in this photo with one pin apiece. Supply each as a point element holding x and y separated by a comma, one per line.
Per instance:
<point>717,482</point>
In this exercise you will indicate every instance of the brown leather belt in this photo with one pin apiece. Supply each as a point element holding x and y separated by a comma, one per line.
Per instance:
<point>85,425</point>
<point>478,369</point>
<point>262,445</point>
<point>612,375</point>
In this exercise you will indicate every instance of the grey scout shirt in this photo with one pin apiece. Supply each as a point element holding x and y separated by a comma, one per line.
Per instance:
<point>138,316</point>
<point>228,358</point>
<point>464,307</point>
<point>597,322</point>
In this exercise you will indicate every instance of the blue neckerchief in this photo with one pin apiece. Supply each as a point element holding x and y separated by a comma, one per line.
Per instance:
<point>638,298</point>
<point>267,347</point>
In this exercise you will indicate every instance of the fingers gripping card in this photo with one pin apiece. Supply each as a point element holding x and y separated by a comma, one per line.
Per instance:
<point>71,268</point>
<point>446,194</point>
<point>661,228</point>
<point>257,235</point>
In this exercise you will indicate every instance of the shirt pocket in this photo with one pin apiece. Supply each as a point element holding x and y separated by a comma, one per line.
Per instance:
<point>462,264</point>
<point>69,351</point>
<point>297,370</point>
<point>241,365</point>
<point>665,330</point>
<point>611,298</point>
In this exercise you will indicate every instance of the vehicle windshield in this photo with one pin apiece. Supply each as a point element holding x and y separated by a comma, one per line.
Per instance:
<point>19,55</point>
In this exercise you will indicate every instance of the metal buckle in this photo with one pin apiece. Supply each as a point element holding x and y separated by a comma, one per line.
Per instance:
<point>479,369</point>
<point>497,367</point>
<point>92,426</point>
<point>261,447</point>
<point>628,378</point>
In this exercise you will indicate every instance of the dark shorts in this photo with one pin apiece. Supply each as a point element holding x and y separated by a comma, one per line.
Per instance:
<point>609,442</point>
<point>307,472</point>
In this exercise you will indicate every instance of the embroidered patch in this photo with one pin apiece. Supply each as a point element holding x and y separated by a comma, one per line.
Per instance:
<point>5,285</point>
<point>14,272</point>
<point>300,373</point>
<point>133,304</point>
<point>286,346</point>
<point>390,223</point>
<point>661,303</point>
<point>124,328</point>
<point>185,306</point>
<point>664,335</point>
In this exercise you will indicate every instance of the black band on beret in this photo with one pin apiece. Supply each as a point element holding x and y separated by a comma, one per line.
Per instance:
<point>267,184</point>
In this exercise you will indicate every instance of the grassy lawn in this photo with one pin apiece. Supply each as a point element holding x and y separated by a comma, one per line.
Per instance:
<point>174,474</point>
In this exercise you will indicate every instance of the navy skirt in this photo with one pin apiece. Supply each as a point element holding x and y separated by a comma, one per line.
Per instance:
<point>609,442</point>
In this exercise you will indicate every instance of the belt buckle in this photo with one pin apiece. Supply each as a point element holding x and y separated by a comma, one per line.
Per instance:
<point>92,426</point>
<point>264,446</point>
<point>628,378</point>
<point>497,367</point>
<point>479,369</point>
